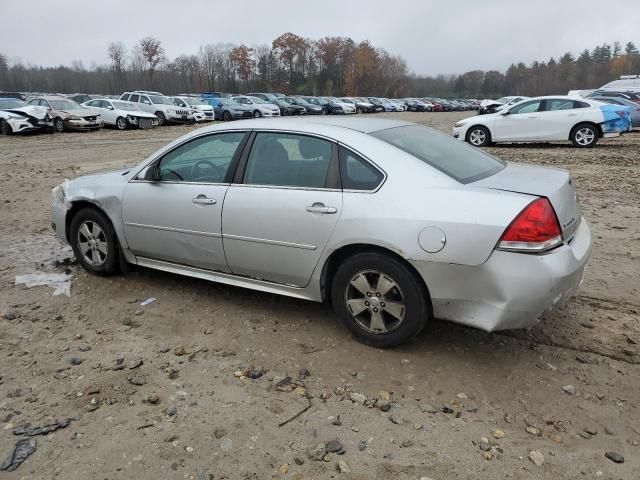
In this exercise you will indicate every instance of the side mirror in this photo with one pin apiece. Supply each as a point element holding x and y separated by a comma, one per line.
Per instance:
<point>152,173</point>
<point>110,107</point>
<point>504,112</point>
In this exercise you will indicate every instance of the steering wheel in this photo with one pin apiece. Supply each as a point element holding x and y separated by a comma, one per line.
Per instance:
<point>175,173</point>
<point>197,170</point>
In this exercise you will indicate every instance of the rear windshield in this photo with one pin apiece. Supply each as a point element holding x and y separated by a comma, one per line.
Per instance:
<point>460,161</point>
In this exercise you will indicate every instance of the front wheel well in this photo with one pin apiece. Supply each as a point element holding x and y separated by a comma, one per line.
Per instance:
<point>338,256</point>
<point>75,208</point>
<point>469,130</point>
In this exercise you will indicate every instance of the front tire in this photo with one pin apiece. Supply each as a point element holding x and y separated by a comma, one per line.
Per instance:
<point>226,116</point>
<point>58,124</point>
<point>584,135</point>
<point>380,300</point>
<point>162,120</point>
<point>5,128</point>
<point>257,114</point>
<point>94,241</point>
<point>121,123</point>
<point>479,136</point>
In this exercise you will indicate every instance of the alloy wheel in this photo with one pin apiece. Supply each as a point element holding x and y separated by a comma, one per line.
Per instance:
<point>375,301</point>
<point>121,123</point>
<point>585,136</point>
<point>477,137</point>
<point>92,243</point>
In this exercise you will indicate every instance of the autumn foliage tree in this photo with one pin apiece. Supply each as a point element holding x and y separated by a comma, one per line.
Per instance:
<point>243,62</point>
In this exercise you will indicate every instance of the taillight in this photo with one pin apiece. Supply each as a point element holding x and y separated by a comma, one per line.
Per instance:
<point>535,229</point>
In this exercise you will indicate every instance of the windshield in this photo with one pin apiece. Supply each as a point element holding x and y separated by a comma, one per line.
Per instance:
<point>256,100</point>
<point>228,101</point>
<point>64,105</point>
<point>456,159</point>
<point>300,101</point>
<point>195,101</point>
<point>158,100</point>
<point>130,107</point>
<point>11,103</point>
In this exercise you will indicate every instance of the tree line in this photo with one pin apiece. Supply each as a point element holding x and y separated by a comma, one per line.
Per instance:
<point>296,65</point>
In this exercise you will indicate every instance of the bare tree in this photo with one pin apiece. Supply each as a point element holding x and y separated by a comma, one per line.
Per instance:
<point>117,55</point>
<point>153,55</point>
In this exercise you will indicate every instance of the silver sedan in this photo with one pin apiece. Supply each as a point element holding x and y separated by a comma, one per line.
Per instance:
<point>391,222</point>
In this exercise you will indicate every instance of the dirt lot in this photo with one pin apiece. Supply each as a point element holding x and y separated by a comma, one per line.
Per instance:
<point>567,390</point>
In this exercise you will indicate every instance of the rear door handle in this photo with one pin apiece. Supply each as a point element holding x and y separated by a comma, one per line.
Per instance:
<point>321,208</point>
<point>571,114</point>
<point>533,116</point>
<point>203,200</point>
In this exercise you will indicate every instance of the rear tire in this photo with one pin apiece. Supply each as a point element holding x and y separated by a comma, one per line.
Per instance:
<point>479,136</point>
<point>5,128</point>
<point>94,242</point>
<point>380,300</point>
<point>584,135</point>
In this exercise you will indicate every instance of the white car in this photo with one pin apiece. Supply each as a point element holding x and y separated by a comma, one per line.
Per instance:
<point>17,116</point>
<point>201,111</point>
<point>544,119</point>
<point>160,105</point>
<point>261,108</point>
<point>347,108</point>
<point>493,106</point>
<point>121,114</point>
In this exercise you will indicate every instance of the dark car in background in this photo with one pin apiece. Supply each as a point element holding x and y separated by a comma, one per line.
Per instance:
<point>288,109</point>
<point>228,109</point>
<point>83,97</point>
<point>17,95</point>
<point>301,102</point>
<point>416,106</point>
<point>328,106</point>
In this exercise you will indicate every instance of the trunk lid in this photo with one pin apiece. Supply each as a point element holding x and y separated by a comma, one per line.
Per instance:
<point>551,183</point>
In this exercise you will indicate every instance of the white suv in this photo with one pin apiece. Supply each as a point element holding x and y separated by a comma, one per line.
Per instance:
<point>161,106</point>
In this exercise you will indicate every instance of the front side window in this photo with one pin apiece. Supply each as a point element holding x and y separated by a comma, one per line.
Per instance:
<point>135,98</point>
<point>356,173</point>
<point>527,107</point>
<point>145,100</point>
<point>202,160</point>
<point>456,159</point>
<point>288,160</point>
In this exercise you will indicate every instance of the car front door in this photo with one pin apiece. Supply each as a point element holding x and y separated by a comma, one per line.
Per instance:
<point>279,214</point>
<point>518,123</point>
<point>175,213</point>
<point>109,114</point>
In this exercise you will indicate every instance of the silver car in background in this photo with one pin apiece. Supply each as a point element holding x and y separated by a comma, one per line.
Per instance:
<point>391,222</point>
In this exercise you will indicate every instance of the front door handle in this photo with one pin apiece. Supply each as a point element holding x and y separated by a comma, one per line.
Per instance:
<point>533,116</point>
<point>203,200</point>
<point>321,208</point>
<point>571,114</point>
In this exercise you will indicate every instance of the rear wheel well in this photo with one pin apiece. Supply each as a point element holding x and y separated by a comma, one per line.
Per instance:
<point>592,124</point>
<point>336,258</point>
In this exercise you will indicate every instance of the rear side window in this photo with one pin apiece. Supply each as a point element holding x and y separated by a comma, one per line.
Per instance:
<point>455,159</point>
<point>288,160</point>
<point>559,104</point>
<point>578,104</point>
<point>356,173</point>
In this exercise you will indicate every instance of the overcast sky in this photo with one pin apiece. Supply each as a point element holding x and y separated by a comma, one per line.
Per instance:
<point>434,36</point>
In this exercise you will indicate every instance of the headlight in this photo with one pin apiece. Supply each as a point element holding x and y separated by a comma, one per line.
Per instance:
<point>74,117</point>
<point>460,124</point>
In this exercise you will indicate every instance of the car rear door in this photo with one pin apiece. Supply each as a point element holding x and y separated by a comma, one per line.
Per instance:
<point>177,218</point>
<point>557,117</point>
<point>285,202</point>
<point>520,123</point>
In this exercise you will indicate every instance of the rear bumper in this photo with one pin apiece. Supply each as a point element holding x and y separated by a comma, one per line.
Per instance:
<point>510,290</point>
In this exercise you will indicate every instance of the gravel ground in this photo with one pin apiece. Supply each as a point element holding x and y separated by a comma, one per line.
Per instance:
<point>165,390</point>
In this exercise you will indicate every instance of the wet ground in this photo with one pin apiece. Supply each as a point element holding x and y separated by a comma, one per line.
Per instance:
<point>567,390</point>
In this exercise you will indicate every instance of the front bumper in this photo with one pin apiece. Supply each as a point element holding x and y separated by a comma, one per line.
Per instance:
<point>83,124</point>
<point>460,133</point>
<point>21,125</point>
<point>510,290</point>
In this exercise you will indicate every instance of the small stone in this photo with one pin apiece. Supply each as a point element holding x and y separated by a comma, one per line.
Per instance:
<point>283,469</point>
<point>569,389</point>
<point>427,408</point>
<point>139,312</point>
<point>497,434</point>
<point>163,348</point>
<point>334,446</point>
<point>226,444</point>
<point>189,449</point>
<point>317,453</point>
<point>84,348</point>
<point>171,438</point>
<point>153,399</point>
<point>9,315</point>
<point>355,428</point>
<point>254,373</point>
<point>357,398</point>
<point>298,460</point>
<point>127,322</point>
<point>137,380</point>
<point>610,431</point>
<point>362,445</point>
<point>614,457</point>
<point>471,407</point>
<point>487,455</point>
<point>591,431</point>
<point>556,438</point>
<point>384,407</point>
<point>76,361</point>
<point>584,435</point>
<point>446,408</point>
<point>219,432</point>
<point>534,431</point>
<point>171,411</point>
<point>396,419</point>
<point>135,364</point>
<point>304,373</point>
<point>508,418</point>
<point>337,422</point>
<point>343,467</point>
<point>536,457</point>
<point>406,443</point>
<point>180,350</point>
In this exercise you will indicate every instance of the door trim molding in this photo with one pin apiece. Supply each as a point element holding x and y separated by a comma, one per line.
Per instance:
<point>171,229</point>
<point>269,242</point>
